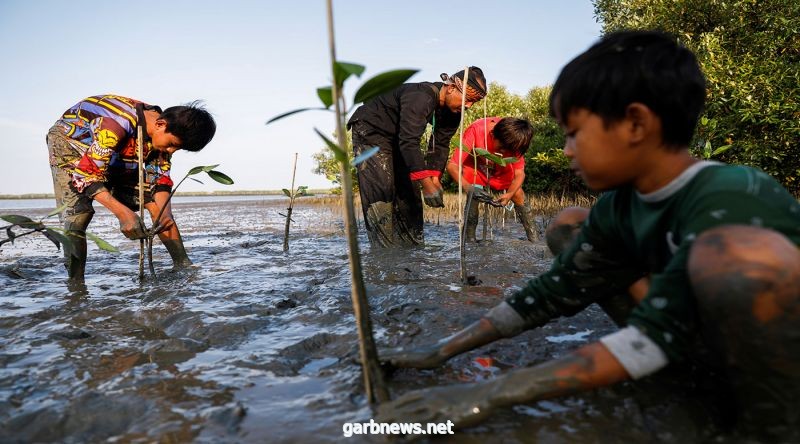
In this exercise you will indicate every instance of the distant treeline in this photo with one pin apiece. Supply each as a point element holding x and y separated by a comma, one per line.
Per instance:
<point>179,193</point>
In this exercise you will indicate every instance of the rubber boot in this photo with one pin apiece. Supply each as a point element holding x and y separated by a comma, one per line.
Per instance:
<point>75,252</point>
<point>177,252</point>
<point>380,224</point>
<point>470,219</point>
<point>525,215</point>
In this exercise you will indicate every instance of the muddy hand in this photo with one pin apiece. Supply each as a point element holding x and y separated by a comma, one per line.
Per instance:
<point>161,225</point>
<point>481,195</point>
<point>434,199</point>
<point>432,192</point>
<point>422,357</point>
<point>463,404</point>
<point>133,227</point>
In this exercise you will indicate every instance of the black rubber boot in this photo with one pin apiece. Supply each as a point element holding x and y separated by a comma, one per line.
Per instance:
<point>177,252</point>
<point>380,224</point>
<point>470,219</point>
<point>525,215</point>
<point>75,253</point>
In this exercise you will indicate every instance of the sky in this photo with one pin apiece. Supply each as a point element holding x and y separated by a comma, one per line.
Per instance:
<point>250,61</point>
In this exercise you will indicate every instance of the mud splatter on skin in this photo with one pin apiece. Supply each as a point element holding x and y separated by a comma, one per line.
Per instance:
<point>181,357</point>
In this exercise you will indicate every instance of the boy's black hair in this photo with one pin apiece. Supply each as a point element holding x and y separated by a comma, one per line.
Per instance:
<point>191,123</point>
<point>624,67</point>
<point>513,134</point>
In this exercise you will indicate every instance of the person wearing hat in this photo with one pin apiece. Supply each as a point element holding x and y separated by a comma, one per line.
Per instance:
<point>395,122</point>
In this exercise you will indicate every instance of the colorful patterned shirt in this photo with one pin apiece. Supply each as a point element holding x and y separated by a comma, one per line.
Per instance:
<point>102,132</point>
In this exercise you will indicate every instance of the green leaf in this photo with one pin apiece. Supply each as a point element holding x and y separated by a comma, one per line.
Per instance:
<point>57,210</point>
<point>343,70</point>
<point>201,169</point>
<point>103,245</point>
<point>493,157</point>
<point>57,238</point>
<point>287,193</point>
<point>339,153</point>
<point>196,180</point>
<point>508,160</point>
<point>326,95</point>
<point>365,155</point>
<point>721,150</point>
<point>220,177</point>
<point>382,83</point>
<point>281,116</point>
<point>22,221</point>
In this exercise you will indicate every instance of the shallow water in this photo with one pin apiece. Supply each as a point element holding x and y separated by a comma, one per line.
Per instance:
<point>255,345</point>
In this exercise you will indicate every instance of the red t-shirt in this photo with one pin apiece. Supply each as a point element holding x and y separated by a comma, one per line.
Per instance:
<point>475,136</point>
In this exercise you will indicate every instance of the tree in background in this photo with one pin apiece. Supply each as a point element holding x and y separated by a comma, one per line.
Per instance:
<point>750,53</point>
<point>328,166</point>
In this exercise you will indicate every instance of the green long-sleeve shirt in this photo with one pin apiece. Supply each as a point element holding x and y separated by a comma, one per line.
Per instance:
<point>629,235</point>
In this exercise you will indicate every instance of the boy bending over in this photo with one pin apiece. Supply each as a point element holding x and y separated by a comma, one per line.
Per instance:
<point>93,157</point>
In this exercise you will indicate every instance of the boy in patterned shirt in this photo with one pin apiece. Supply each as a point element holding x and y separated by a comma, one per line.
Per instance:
<point>93,156</point>
<point>707,252</point>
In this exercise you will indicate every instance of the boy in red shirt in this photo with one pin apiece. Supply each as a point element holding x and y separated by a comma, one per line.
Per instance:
<point>506,137</point>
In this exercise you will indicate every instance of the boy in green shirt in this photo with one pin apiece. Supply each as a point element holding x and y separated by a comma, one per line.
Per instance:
<point>707,253</point>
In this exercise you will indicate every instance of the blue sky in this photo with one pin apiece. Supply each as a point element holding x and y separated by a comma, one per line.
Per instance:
<point>252,60</point>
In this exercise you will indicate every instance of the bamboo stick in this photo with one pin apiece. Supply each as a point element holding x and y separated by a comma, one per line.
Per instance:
<point>140,155</point>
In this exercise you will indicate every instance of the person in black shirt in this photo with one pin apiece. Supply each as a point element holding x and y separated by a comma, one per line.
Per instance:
<point>389,181</point>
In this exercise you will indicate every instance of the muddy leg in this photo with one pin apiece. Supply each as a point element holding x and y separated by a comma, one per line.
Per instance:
<point>376,184</point>
<point>525,215</point>
<point>470,219</point>
<point>380,224</point>
<point>559,236</point>
<point>78,212</point>
<point>747,284</point>
<point>75,254</point>
<point>408,220</point>
<point>565,227</point>
<point>174,245</point>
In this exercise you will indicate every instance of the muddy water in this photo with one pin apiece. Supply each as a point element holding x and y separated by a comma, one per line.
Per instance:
<point>254,345</point>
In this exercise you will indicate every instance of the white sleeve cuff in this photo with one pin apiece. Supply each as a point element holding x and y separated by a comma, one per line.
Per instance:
<point>637,353</point>
<point>506,320</point>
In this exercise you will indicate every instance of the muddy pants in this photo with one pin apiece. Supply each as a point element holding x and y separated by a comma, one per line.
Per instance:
<point>79,210</point>
<point>391,203</point>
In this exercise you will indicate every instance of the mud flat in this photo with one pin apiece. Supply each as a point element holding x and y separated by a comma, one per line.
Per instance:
<point>254,345</point>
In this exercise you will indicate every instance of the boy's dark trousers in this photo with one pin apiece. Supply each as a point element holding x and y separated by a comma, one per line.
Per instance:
<point>391,202</point>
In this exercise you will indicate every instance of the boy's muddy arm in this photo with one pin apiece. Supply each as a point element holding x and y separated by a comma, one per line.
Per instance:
<point>130,224</point>
<point>589,367</point>
<point>477,334</point>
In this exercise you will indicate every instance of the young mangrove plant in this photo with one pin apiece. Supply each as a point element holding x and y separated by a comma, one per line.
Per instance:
<point>57,235</point>
<point>292,194</point>
<point>156,228</point>
<point>332,96</point>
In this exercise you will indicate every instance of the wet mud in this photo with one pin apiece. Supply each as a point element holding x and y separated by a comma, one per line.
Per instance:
<point>256,345</point>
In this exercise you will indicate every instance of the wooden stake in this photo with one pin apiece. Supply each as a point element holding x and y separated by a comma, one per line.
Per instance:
<point>140,154</point>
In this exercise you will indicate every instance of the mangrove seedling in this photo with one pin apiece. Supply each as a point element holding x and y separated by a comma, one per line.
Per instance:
<point>292,193</point>
<point>156,228</point>
<point>332,95</point>
<point>57,235</point>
